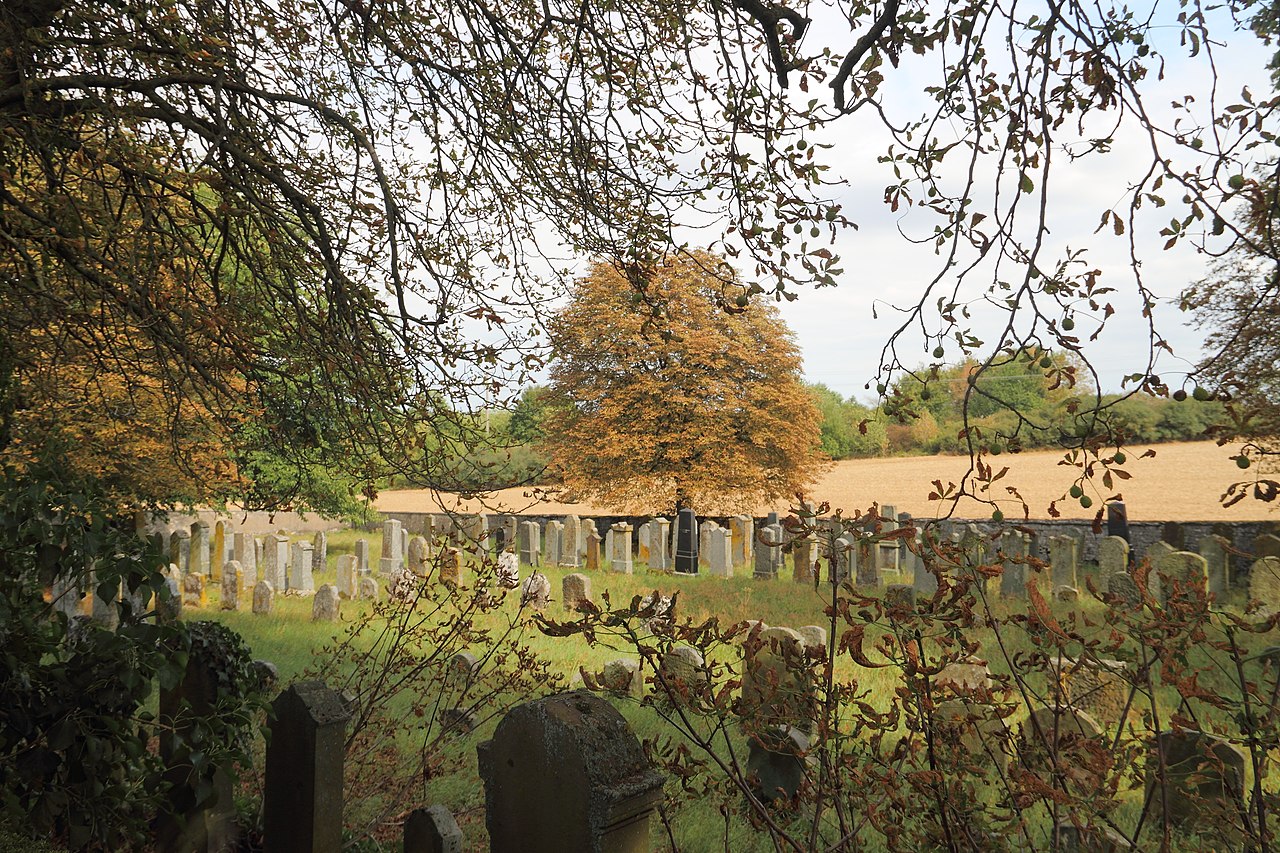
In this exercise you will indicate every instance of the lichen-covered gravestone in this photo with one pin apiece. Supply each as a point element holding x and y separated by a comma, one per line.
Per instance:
<point>232,581</point>
<point>417,558</point>
<point>263,596</point>
<point>1215,550</point>
<point>348,576</point>
<point>777,684</point>
<point>1264,584</point>
<point>1197,780</point>
<point>574,590</point>
<point>324,608</point>
<point>566,773</point>
<point>369,590</point>
<point>432,830</point>
<point>535,593</point>
<point>1113,556</point>
<point>1062,561</point>
<point>193,591</point>
<point>681,676</point>
<point>622,677</point>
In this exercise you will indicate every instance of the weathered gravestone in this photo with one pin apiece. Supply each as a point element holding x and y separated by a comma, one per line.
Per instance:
<point>530,543</point>
<point>199,545</point>
<point>718,554</point>
<point>1266,545</point>
<point>682,676</point>
<point>1264,584</point>
<point>392,560</point>
<point>452,573</point>
<point>169,602</point>
<point>432,830</point>
<point>866,570</point>
<point>219,549</point>
<point>508,570</point>
<point>1184,571</point>
<point>1013,548</point>
<point>622,677</point>
<point>769,560</point>
<point>1113,556</point>
<point>777,683</point>
<point>843,559</point>
<point>418,559</point>
<point>660,545</point>
<point>1215,551</point>
<point>592,560</point>
<point>804,553</point>
<point>1068,743</point>
<point>462,671</point>
<point>1123,591</point>
<point>275,561</point>
<point>776,762</point>
<point>245,552</point>
<point>1156,552</point>
<point>552,538</point>
<point>1062,561</point>
<point>348,576</point>
<point>574,590</point>
<point>743,529</point>
<point>369,590</point>
<point>813,636</point>
<point>535,593</point>
<point>300,579</point>
<point>302,791</point>
<point>320,552</point>
<point>263,597</point>
<point>566,774</point>
<point>193,591</point>
<point>620,558</point>
<point>899,600</point>
<point>1197,781</point>
<point>1101,688</point>
<point>232,584</point>
<point>325,606</point>
<point>924,581</point>
<point>569,534</point>
<point>362,557</point>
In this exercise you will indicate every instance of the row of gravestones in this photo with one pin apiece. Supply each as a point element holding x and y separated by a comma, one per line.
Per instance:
<point>566,773</point>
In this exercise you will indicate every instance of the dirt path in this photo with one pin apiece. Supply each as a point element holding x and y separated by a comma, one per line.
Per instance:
<point>1182,482</point>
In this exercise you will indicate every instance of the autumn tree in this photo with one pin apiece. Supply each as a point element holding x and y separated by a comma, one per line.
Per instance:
<point>669,386</point>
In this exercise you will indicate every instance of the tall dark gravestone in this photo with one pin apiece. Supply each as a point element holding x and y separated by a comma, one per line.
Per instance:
<point>686,542</point>
<point>1117,520</point>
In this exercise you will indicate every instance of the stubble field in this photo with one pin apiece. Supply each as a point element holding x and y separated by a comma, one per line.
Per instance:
<point>1181,482</point>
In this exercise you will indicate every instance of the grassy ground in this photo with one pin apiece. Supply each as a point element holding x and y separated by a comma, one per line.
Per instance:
<point>288,638</point>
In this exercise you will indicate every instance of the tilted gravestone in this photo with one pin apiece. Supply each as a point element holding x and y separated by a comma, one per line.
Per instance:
<point>1065,742</point>
<point>1264,584</point>
<point>681,676</point>
<point>418,559</point>
<point>566,773</point>
<point>813,636</point>
<point>1197,780</point>
<point>452,572</point>
<point>432,830</point>
<point>302,791</point>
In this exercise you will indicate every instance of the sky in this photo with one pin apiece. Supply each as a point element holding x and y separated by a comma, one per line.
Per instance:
<point>841,340</point>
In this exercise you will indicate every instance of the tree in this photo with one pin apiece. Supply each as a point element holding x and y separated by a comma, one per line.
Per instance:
<point>667,390</point>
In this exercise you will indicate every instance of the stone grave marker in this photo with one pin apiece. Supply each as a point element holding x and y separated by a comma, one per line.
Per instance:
<point>866,570</point>
<point>1185,569</point>
<point>592,561</point>
<point>325,606</point>
<point>232,584</point>
<point>1069,741</point>
<point>193,591</point>
<point>1117,521</point>
<point>244,552</point>
<point>392,559</point>
<point>535,593</point>
<point>1156,552</point>
<point>682,676</point>
<point>169,602</point>
<point>1214,550</point>
<point>432,830</point>
<point>574,590</point>
<point>219,550</point>
<point>1123,591</point>
<point>275,561</point>
<point>592,789</point>
<point>300,579</point>
<point>530,543</point>
<point>320,552</point>
<point>620,556</point>
<point>844,559</point>
<point>1113,556</point>
<point>660,545</point>
<point>362,557</point>
<point>776,762</point>
<point>686,542</point>
<point>1264,584</point>
<point>569,534</point>
<point>1174,534</point>
<point>302,791</point>
<point>418,559</point>
<point>777,684</point>
<point>899,600</point>
<point>1266,545</point>
<point>348,576</point>
<point>1062,561</point>
<point>813,636</point>
<point>769,560</point>
<point>369,590</point>
<point>452,569</point>
<point>1203,785</point>
<point>718,554</point>
<point>263,597</point>
<point>743,528</point>
<point>924,581</point>
<point>551,540</point>
<point>180,549</point>
<point>199,561</point>
<point>804,552</point>
<point>622,677</point>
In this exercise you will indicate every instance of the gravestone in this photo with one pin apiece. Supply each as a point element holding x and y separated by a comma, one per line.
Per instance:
<point>263,597</point>
<point>452,572</point>
<point>776,762</point>
<point>1214,550</point>
<point>682,676</point>
<point>1066,594</point>
<point>1186,570</point>
<point>843,560</point>
<point>1062,561</point>
<point>865,568</point>
<point>325,605</point>
<point>245,552</point>
<point>924,581</point>
<point>232,584</point>
<point>804,552</point>
<point>219,550</point>
<point>593,788</point>
<point>1117,520</point>
<point>348,576</point>
<point>588,527</point>
<point>643,533</point>
<point>180,549</point>
<point>392,559</point>
<point>362,557</point>
<point>622,677</point>
<point>1123,591</point>
<point>551,540</point>
<point>769,560</point>
<point>1100,688</point>
<point>743,528</point>
<point>1266,545</point>
<point>169,602</point>
<point>620,558</point>
<point>686,542</point>
<point>1203,785</point>
<point>660,545</point>
<point>1264,584</point>
<point>535,593</point>
<point>193,591</point>
<point>530,543</point>
<point>369,590</point>
<point>777,684</point>
<point>569,534</point>
<point>1013,550</point>
<point>592,561</point>
<point>1067,742</point>
<point>965,678</point>
<point>300,579</point>
<point>404,544</point>
<point>704,540</point>
<point>432,830</point>
<point>320,552</point>
<point>718,555</point>
<point>198,561</point>
<point>417,559</point>
<point>574,590</point>
<point>1113,556</point>
<point>462,671</point>
<point>302,790</point>
<point>899,600</point>
<point>813,636</point>
<point>1156,552</point>
<point>275,561</point>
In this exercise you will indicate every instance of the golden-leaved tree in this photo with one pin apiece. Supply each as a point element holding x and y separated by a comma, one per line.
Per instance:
<point>671,386</point>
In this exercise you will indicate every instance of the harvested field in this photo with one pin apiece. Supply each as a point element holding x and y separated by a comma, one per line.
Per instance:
<point>1182,482</point>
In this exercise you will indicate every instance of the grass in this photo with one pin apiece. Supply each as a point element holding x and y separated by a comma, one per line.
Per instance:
<point>288,638</point>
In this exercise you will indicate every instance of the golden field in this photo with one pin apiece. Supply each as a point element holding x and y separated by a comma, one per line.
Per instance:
<point>1181,482</point>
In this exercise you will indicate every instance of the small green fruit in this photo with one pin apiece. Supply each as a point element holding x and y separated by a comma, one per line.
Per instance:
<point>1201,394</point>
<point>1068,324</point>
<point>1046,362</point>
<point>1236,182</point>
<point>1179,395</point>
<point>1119,458</point>
<point>997,516</point>
<point>1242,461</point>
<point>1076,491</point>
<point>939,352</point>
<point>880,388</point>
<point>1086,502</point>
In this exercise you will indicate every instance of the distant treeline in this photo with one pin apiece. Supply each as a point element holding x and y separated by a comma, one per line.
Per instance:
<point>921,414</point>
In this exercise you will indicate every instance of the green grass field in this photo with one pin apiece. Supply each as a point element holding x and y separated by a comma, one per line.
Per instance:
<point>289,639</point>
